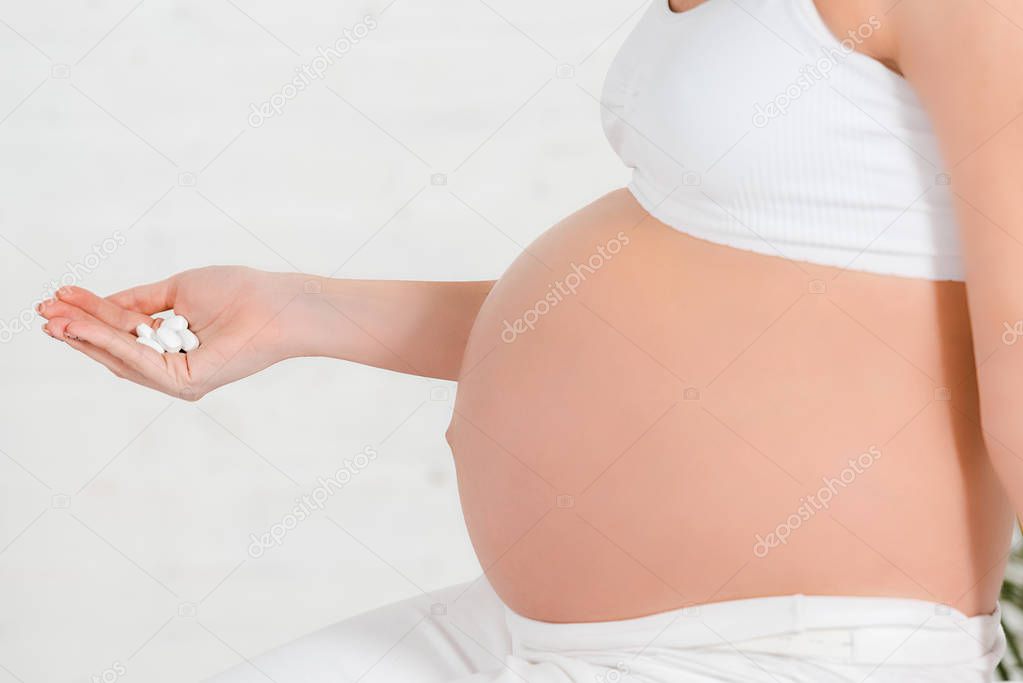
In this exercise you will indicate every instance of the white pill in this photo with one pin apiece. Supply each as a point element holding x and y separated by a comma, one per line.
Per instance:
<point>145,331</point>
<point>177,323</point>
<point>168,339</point>
<point>189,342</point>
<point>146,341</point>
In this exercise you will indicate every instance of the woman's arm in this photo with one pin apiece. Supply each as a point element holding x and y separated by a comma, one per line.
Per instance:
<point>419,328</point>
<point>248,320</point>
<point>965,58</point>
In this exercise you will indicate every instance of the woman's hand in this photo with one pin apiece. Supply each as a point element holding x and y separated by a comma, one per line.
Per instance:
<point>247,320</point>
<point>239,315</point>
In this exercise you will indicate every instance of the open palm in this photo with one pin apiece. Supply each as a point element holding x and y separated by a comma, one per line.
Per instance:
<point>236,312</point>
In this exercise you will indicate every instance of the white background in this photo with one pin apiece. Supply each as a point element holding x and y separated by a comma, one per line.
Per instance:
<point>126,515</point>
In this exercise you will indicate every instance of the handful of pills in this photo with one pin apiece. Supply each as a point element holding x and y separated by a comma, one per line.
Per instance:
<point>173,336</point>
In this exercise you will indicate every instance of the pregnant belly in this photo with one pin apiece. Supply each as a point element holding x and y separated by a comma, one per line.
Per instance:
<point>646,421</point>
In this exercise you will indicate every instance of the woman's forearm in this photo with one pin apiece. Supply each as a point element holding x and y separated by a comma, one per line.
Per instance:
<point>414,327</point>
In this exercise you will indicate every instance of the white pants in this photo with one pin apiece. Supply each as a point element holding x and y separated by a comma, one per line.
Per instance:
<point>465,634</point>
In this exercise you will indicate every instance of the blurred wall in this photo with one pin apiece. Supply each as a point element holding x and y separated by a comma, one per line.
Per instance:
<point>433,142</point>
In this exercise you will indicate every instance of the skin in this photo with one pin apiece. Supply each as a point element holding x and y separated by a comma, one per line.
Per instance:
<point>623,455</point>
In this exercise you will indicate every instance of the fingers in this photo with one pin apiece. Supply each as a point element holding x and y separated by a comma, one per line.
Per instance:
<point>112,363</point>
<point>146,299</point>
<point>153,367</point>
<point>55,308</point>
<point>102,309</point>
<point>56,326</point>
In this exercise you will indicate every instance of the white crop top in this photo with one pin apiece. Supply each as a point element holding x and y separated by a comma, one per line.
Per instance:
<point>749,124</point>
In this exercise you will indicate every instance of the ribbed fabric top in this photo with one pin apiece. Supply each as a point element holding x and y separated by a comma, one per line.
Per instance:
<point>749,124</point>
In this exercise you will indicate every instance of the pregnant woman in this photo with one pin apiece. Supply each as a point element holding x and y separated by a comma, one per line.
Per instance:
<point>751,418</point>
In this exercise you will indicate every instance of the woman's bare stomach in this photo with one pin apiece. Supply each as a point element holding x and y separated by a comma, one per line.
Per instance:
<point>647,421</point>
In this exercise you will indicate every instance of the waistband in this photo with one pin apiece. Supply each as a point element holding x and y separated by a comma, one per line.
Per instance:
<point>859,630</point>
